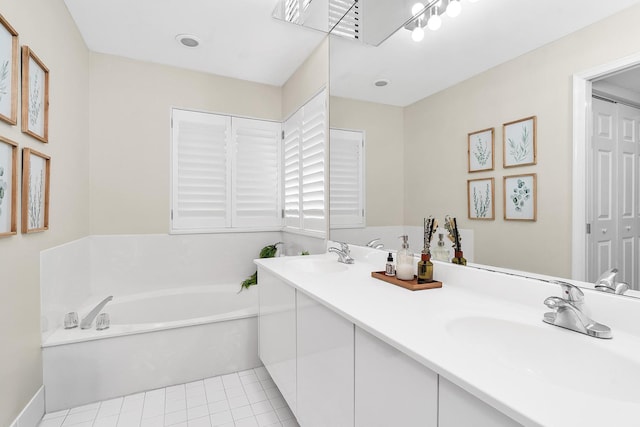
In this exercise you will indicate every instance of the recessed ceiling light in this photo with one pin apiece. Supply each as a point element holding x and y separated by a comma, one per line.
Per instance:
<point>188,40</point>
<point>381,82</point>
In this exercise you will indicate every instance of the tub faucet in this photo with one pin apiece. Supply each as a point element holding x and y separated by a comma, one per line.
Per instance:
<point>375,243</point>
<point>88,319</point>
<point>344,253</point>
<point>569,312</point>
<point>607,283</point>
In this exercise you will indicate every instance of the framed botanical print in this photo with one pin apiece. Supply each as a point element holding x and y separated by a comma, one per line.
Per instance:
<point>35,96</point>
<point>481,150</point>
<point>8,72</point>
<point>480,204</point>
<point>35,191</point>
<point>8,186</point>
<point>520,198</point>
<point>519,142</point>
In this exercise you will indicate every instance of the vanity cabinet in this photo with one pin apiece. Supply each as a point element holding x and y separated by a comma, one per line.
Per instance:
<point>277,333</point>
<point>391,389</point>
<point>459,408</point>
<point>325,366</point>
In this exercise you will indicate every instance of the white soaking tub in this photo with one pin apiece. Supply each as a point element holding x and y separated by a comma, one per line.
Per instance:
<point>155,339</point>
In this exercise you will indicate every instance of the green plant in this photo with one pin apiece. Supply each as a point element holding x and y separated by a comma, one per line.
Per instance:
<point>481,204</point>
<point>268,251</point>
<point>481,152</point>
<point>520,150</point>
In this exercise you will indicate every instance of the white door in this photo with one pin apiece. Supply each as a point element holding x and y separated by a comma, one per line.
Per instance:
<point>613,195</point>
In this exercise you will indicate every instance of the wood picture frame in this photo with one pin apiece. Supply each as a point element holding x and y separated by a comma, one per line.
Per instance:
<point>36,171</point>
<point>481,152</point>
<point>480,198</point>
<point>520,142</point>
<point>520,197</point>
<point>35,96</point>
<point>8,187</point>
<point>9,72</point>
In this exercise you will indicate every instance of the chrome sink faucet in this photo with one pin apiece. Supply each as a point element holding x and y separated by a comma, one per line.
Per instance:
<point>344,253</point>
<point>375,243</point>
<point>88,319</point>
<point>569,312</point>
<point>607,283</point>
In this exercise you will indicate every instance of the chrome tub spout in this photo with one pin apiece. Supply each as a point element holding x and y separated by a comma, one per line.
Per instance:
<point>88,319</point>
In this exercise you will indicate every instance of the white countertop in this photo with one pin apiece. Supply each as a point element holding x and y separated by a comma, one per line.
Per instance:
<point>484,332</point>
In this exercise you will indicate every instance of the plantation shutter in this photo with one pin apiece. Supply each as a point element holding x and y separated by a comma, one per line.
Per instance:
<point>313,163</point>
<point>291,150</point>
<point>344,18</point>
<point>256,173</point>
<point>200,172</point>
<point>347,178</point>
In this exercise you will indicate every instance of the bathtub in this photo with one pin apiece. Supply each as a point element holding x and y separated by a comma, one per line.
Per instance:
<point>156,339</point>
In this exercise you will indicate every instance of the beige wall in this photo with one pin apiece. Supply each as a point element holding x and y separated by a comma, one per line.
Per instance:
<point>384,151</point>
<point>538,83</point>
<point>47,28</point>
<point>307,80</point>
<point>130,135</point>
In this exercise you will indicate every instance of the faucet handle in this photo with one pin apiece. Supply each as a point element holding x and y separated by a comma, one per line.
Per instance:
<point>345,247</point>
<point>571,292</point>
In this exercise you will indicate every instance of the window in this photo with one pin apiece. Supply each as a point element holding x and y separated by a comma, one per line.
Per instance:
<point>304,167</point>
<point>225,172</point>
<point>347,178</point>
<point>344,18</point>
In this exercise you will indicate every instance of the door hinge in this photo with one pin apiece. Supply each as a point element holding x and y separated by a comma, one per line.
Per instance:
<point>283,135</point>
<point>588,228</point>
<point>172,214</point>
<point>282,213</point>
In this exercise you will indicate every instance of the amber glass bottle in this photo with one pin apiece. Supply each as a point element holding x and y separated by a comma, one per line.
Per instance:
<point>425,269</point>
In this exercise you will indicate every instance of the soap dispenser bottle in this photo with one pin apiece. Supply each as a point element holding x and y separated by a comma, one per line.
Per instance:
<point>405,267</point>
<point>440,252</point>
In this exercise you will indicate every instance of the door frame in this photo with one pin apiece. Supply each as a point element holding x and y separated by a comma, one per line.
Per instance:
<point>582,129</point>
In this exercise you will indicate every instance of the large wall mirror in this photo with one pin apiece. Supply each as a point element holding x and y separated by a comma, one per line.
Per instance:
<point>414,103</point>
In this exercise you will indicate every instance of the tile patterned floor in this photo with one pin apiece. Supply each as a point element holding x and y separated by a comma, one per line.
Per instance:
<point>243,399</point>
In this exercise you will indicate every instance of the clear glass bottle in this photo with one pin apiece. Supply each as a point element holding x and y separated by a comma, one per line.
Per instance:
<point>425,269</point>
<point>390,268</point>
<point>405,267</point>
<point>458,258</point>
<point>440,252</point>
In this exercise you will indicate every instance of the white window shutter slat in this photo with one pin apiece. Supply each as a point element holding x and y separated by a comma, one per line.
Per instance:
<point>291,166</point>
<point>199,170</point>
<point>347,178</point>
<point>313,163</point>
<point>344,18</point>
<point>256,173</point>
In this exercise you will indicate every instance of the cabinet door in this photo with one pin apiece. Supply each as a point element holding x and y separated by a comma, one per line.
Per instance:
<point>391,389</point>
<point>459,408</point>
<point>325,366</point>
<point>277,323</point>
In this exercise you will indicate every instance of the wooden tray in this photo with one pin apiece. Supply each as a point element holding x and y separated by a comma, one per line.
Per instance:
<point>412,285</point>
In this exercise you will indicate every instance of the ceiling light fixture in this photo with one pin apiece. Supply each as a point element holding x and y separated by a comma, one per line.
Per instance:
<point>188,40</point>
<point>434,9</point>
<point>381,82</point>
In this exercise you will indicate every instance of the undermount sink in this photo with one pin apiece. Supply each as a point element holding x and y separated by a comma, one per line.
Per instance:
<point>563,358</point>
<point>318,265</point>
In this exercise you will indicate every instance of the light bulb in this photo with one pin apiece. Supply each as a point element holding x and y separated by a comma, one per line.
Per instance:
<point>434,23</point>
<point>417,34</point>
<point>472,1</point>
<point>417,8</point>
<point>454,8</point>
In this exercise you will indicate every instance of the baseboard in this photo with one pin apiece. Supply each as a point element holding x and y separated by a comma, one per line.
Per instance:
<point>33,412</point>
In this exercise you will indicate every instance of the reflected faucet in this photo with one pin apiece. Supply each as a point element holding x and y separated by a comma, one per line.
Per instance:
<point>607,283</point>
<point>344,254</point>
<point>569,312</point>
<point>88,319</point>
<point>375,243</point>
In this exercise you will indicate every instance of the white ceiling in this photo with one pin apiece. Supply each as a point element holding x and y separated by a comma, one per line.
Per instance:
<point>242,40</point>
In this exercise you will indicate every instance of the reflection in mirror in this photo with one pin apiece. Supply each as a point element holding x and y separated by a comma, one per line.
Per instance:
<point>321,15</point>
<point>485,68</point>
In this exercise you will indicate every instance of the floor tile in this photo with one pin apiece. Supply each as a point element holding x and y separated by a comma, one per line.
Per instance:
<point>267,383</point>
<point>214,383</point>
<point>111,421</point>
<point>261,407</point>
<point>267,419</point>
<point>241,412</point>
<point>132,405</point>
<point>52,422</point>
<point>256,396</point>
<point>231,380</point>
<point>153,422</point>
<point>246,372</point>
<point>247,422</point>
<point>284,414</point>
<point>195,384</point>
<point>197,412</point>
<point>215,395</point>
<point>175,417</point>
<point>80,417</point>
<point>277,402</point>
<point>130,419</point>
<point>290,423</point>
<point>56,414</point>
<point>155,394</point>
<point>220,406</point>
<point>110,407</point>
<point>273,392</point>
<point>234,392</point>
<point>253,387</point>
<point>175,405</point>
<point>197,400</point>
<point>262,373</point>
<point>249,378</point>
<point>179,388</point>
<point>83,408</point>
<point>200,422</point>
<point>221,418</point>
<point>236,402</point>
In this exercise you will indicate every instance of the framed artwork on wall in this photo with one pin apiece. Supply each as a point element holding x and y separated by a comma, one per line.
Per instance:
<point>8,186</point>
<point>480,200</point>
<point>35,96</point>
<point>481,150</point>
<point>8,72</point>
<point>519,141</point>
<point>36,169</point>
<point>520,198</point>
